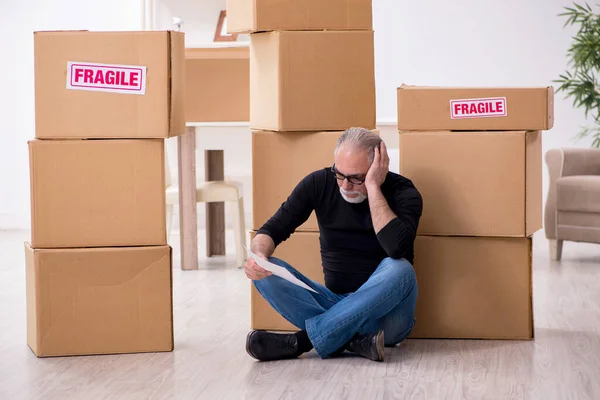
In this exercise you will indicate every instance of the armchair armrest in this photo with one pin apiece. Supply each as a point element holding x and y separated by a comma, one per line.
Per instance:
<point>579,161</point>
<point>566,162</point>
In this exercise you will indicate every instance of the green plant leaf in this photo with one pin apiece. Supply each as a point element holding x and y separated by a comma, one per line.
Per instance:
<point>579,82</point>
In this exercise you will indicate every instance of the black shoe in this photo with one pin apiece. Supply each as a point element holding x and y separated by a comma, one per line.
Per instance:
<point>267,346</point>
<point>369,346</point>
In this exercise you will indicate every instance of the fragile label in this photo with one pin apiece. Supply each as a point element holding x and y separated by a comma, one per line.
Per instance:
<point>478,108</point>
<point>128,79</point>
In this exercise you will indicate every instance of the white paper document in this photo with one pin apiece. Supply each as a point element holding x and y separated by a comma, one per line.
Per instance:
<point>279,271</point>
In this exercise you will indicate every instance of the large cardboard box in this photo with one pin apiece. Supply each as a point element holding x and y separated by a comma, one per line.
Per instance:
<point>475,108</point>
<point>95,193</point>
<point>476,183</point>
<point>280,160</point>
<point>302,251</point>
<point>217,84</point>
<point>312,80</point>
<point>247,16</point>
<point>473,288</point>
<point>109,84</point>
<point>99,301</point>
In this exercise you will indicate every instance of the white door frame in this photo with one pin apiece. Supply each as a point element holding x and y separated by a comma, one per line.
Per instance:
<point>148,14</point>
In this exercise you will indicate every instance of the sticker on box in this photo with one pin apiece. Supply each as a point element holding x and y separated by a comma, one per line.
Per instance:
<point>114,78</point>
<point>478,108</point>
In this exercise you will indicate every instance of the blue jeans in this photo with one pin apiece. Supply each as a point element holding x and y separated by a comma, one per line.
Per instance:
<point>386,301</point>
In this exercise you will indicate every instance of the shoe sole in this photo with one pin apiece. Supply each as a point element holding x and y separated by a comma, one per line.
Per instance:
<point>251,354</point>
<point>380,346</point>
<point>248,337</point>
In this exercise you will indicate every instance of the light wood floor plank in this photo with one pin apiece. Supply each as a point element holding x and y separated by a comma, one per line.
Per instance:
<point>211,322</point>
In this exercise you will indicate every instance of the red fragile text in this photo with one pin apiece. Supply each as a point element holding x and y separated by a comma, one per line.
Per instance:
<point>106,77</point>
<point>477,108</point>
<point>90,76</point>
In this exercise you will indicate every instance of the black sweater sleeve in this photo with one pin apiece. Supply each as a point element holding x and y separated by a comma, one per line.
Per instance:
<point>294,211</point>
<point>398,236</point>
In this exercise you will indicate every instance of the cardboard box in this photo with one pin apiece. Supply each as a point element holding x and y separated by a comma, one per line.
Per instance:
<point>279,162</point>
<point>109,84</point>
<point>303,252</point>
<point>312,80</point>
<point>97,193</point>
<point>99,301</point>
<point>477,109</point>
<point>476,183</point>
<point>248,16</point>
<point>217,84</point>
<point>473,288</point>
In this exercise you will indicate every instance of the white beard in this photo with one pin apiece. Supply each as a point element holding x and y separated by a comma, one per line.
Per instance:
<point>360,197</point>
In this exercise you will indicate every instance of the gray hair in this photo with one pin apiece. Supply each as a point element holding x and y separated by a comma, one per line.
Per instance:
<point>360,138</point>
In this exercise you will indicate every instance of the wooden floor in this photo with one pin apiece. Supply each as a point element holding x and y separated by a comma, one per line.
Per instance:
<point>211,323</point>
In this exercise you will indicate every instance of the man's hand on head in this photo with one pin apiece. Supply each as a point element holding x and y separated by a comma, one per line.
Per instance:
<point>381,213</point>
<point>379,168</point>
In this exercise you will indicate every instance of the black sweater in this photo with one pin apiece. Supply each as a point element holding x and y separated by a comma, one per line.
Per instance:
<point>350,249</point>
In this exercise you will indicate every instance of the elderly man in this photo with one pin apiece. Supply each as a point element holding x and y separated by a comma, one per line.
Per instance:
<point>368,219</point>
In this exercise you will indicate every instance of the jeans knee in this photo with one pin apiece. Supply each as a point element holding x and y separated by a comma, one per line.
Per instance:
<point>398,271</point>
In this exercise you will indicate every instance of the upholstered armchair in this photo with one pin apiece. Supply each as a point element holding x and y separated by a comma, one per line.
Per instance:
<point>573,205</point>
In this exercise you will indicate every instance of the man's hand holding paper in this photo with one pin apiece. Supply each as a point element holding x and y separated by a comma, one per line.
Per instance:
<point>261,268</point>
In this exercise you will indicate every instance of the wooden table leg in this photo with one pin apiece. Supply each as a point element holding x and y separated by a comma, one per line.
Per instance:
<point>188,225</point>
<point>215,212</point>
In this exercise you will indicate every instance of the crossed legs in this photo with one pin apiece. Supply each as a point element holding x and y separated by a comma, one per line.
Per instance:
<point>386,302</point>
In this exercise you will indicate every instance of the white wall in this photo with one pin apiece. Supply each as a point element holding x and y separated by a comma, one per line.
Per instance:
<point>472,42</point>
<point>475,43</point>
<point>18,20</point>
<point>199,20</point>
<point>429,42</point>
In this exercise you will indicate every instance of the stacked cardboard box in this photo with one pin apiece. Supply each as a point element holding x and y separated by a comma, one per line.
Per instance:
<point>98,267</point>
<point>475,154</point>
<point>311,77</point>
<point>217,84</point>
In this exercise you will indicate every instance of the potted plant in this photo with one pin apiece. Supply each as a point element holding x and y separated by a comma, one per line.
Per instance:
<point>580,82</point>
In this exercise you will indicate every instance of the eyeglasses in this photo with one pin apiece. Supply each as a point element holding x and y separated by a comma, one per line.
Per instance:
<point>352,179</point>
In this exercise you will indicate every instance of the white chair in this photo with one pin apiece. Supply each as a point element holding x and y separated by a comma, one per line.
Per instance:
<point>231,192</point>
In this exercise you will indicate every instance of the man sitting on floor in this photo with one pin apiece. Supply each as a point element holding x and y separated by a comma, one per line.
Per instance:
<point>368,219</point>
